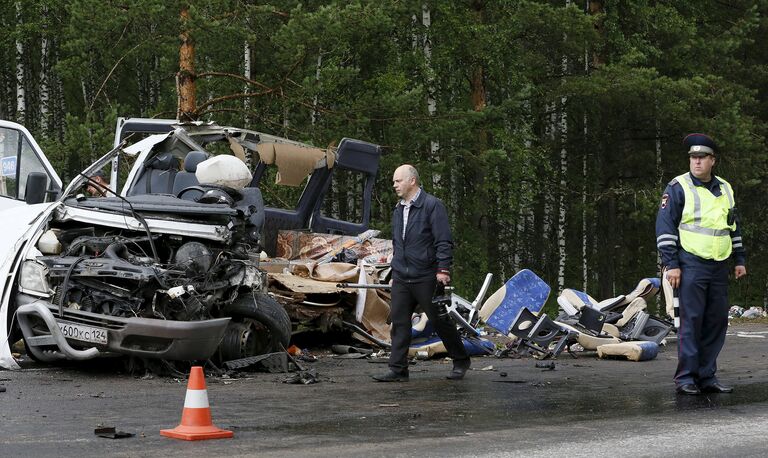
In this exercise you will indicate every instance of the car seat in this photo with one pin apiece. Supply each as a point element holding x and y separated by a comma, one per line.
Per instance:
<point>158,177</point>
<point>186,177</point>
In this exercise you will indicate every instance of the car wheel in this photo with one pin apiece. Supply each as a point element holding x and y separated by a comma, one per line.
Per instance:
<point>259,325</point>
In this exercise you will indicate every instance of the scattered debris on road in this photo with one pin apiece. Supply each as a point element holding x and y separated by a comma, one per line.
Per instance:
<point>109,432</point>
<point>307,377</point>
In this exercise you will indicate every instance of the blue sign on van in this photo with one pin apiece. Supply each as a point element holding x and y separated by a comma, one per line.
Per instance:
<point>9,166</point>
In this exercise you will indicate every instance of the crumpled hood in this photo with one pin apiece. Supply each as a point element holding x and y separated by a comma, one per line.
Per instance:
<point>19,225</point>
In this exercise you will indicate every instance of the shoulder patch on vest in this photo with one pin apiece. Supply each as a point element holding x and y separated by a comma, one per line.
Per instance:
<point>664,201</point>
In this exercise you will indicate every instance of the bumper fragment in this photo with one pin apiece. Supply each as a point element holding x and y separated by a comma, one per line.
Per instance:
<point>144,337</point>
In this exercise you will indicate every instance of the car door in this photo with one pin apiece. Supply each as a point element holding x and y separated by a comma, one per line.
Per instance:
<point>344,204</point>
<point>20,159</point>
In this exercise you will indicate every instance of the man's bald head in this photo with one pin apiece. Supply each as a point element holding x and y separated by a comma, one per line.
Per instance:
<point>410,172</point>
<point>405,181</point>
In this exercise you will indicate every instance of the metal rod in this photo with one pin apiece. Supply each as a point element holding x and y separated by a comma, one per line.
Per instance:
<point>367,335</point>
<point>363,286</point>
<point>375,286</point>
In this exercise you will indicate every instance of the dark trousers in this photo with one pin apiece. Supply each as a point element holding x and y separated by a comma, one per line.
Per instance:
<point>703,319</point>
<point>405,297</point>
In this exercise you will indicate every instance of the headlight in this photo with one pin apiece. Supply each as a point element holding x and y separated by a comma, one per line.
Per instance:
<point>33,279</point>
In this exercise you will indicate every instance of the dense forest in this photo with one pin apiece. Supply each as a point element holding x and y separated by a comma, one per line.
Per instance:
<point>549,128</point>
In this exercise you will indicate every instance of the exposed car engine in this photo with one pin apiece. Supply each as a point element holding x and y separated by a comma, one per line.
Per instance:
<point>86,271</point>
<point>116,275</point>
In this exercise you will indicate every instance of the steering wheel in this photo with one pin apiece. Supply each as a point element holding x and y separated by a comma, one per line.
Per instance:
<point>232,192</point>
<point>191,188</point>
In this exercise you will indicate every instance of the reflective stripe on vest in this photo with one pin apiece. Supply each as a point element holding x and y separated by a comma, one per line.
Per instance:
<point>704,229</point>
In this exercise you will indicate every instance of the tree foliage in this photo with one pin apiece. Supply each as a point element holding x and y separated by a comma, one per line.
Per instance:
<point>507,108</point>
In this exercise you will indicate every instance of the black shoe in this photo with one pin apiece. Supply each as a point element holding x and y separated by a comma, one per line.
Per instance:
<point>716,388</point>
<point>391,377</point>
<point>459,369</point>
<point>689,388</point>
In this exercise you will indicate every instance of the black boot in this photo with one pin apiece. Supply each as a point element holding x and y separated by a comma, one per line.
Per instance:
<point>391,376</point>
<point>460,368</point>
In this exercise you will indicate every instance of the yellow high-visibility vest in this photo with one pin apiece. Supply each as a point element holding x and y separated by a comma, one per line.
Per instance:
<point>704,229</point>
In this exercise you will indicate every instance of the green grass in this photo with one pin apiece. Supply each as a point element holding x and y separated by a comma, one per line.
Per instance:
<point>747,321</point>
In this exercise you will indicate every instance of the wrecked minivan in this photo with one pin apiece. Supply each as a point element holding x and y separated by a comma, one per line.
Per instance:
<point>166,264</point>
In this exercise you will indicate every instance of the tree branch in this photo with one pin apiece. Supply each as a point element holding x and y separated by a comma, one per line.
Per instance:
<point>240,95</point>
<point>235,76</point>
<point>112,70</point>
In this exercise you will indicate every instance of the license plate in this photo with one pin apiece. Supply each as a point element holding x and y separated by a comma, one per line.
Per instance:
<point>82,332</point>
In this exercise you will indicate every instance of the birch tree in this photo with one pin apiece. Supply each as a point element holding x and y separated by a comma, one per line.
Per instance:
<point>21,95</point>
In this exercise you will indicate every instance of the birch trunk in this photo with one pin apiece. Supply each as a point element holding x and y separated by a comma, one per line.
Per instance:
<point>562,211</point>
<point>21,97</point>
<point>154,83</point>
<point>246,74</point>
<point>59,102</point>
<point>659,178</point>
<point>142,88</point>
<point>286,122</point>
<point>44,80</point>
<point>584,225</point>
<point>585,180</point>
<point>316,99</point>
<point>434,145</point>
<point>84,91</point>
<point>546,232</point>
<point>153,79</point>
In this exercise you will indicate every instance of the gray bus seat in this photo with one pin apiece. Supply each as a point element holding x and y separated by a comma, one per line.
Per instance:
<point>158,177</point>
<point>187,178</point>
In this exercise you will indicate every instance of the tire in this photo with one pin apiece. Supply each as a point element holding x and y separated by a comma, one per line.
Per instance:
<point>259,325</point>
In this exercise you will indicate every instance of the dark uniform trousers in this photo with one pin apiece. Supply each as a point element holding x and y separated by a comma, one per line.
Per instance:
<point>405,297</point>
<point>704,307</point>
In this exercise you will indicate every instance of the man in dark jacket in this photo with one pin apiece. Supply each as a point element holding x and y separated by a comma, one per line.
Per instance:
<point>422,257</point>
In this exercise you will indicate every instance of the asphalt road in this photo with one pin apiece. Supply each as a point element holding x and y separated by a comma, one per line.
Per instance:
<point>585,407</point>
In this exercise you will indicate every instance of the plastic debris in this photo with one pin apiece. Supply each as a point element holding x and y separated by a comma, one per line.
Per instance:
<point>302,378</point>
<point>546,365</point>
<point>345,349</point>
<point>754,312</point>
<point>270,362</point>
<point>633,351</point>
<point>109,432</point>
<point>306,357</point>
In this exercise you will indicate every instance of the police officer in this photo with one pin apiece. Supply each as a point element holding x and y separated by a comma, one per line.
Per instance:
<point>422,256</point>
<point>696,232</point>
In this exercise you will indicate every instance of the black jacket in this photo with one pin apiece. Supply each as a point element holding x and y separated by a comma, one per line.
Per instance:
<point>428,246</point>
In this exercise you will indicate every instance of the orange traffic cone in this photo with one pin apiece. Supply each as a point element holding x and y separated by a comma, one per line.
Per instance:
<point>196,421</point>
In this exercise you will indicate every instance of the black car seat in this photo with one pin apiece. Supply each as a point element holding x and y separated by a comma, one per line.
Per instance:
<point>158,177</point>
<point>187,178</point>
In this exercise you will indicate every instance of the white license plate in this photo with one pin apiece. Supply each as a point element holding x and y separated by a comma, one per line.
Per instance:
<point>82,332</point>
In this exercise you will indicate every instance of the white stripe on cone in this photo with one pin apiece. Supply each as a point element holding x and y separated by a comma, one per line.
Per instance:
<point>196,399</point>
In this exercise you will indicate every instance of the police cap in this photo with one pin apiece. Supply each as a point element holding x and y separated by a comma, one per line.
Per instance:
<point>700,145</point>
